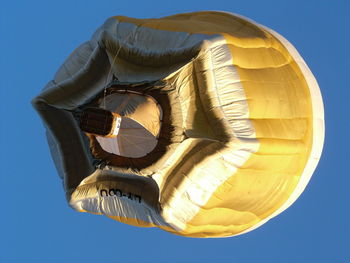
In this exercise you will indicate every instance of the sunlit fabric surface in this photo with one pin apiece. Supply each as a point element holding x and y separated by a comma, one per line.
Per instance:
<point>235,115</point>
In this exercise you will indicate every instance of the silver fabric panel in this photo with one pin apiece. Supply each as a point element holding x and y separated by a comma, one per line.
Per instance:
<point>150,47</point>
<point>55,152</point>
<point>74,161</point>
<point>74,62</point>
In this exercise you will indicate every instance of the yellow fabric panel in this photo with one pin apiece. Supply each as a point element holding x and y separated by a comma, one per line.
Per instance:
<point>287,100</point>
<point>257,58</point>
<point>269,177</point>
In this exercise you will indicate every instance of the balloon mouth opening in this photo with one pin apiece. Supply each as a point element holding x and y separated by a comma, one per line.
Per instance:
<point>124,123</point>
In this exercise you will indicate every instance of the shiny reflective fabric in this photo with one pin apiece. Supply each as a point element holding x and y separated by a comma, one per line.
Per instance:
<point>222,123</point>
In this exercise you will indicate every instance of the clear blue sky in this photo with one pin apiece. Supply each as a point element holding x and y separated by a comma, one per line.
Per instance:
<point>36,224</point>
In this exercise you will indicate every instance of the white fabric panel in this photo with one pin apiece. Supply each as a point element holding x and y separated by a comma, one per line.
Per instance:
<point>123,207</point>
<point>197,187</point>
<point>230,91</point>
<point>117,206</point>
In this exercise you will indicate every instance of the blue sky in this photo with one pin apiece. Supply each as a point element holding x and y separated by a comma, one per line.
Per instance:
<point>36,224</point>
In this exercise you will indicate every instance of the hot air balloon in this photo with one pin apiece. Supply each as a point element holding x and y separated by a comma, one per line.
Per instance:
<point>203,124</point>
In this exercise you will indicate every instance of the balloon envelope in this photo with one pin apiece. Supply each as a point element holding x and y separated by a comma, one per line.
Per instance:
<point>221,127</point>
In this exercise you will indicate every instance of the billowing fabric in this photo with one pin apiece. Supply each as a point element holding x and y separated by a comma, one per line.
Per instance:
<point>235,115</point>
